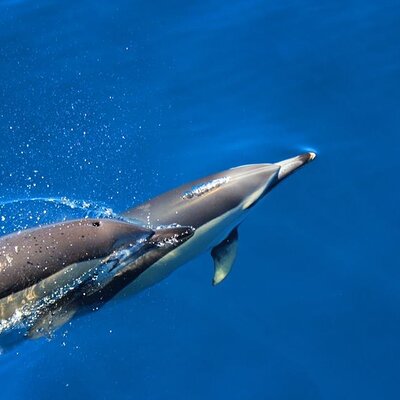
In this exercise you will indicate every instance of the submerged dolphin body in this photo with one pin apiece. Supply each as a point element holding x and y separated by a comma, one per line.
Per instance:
<point>214,206</point>
<point>48,274</point>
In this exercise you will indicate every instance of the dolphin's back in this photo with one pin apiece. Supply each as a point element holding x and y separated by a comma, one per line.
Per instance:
<point>198,202</point>
<point>30,256</point>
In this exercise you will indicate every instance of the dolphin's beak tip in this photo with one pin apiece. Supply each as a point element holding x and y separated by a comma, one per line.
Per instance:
<point>306,157</point>
<point>290,165</point>
<point>311,155</point>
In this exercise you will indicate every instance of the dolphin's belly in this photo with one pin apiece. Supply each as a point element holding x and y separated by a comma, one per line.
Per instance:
<point>206,237</point>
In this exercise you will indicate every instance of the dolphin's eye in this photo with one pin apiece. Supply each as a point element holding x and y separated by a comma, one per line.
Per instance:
<point>199,190</point>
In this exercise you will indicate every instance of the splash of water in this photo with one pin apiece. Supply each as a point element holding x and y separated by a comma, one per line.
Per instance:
<point>24,309</point>
<point>20,214</point>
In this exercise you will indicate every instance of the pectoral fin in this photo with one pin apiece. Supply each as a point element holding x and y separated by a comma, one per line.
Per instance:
<point>224,255</point>
<point>49,322</point>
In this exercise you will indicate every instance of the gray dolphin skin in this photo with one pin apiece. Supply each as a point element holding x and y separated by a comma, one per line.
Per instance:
<point>34,254</point>
<point>50,273</point>
<point>214,206</point>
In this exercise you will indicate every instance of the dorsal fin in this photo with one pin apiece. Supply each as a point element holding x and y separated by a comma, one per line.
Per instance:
<point>224,255</point>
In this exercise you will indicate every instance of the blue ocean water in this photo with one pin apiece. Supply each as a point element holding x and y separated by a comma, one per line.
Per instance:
<point>106,104</point>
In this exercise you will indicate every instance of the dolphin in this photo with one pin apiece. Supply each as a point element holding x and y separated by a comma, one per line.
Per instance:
<point>50,273</point>
<point>214,206</point>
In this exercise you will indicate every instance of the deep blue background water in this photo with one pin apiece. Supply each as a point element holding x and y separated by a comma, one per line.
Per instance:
<point>115,102</point>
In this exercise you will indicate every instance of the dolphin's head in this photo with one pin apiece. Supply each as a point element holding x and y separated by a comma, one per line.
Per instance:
<point>252,182</point>
<point>203,200</point>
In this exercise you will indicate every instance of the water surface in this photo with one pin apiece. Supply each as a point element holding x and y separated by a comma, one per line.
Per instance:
<point>111,103</point>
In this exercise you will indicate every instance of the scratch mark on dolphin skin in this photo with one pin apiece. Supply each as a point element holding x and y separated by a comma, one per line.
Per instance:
<point>200,190</point>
